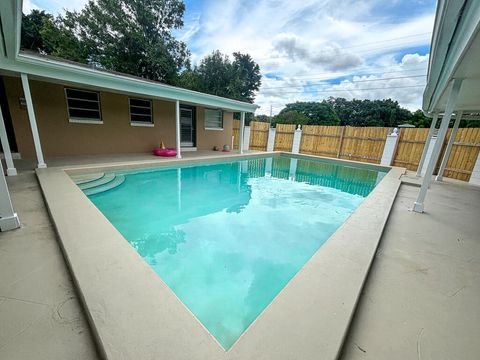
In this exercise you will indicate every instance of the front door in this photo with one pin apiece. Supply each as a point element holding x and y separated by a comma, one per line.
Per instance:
<point>187,126</point>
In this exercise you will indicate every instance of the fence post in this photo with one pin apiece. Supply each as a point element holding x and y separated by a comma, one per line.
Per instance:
<point>246,138</point>
<point>475,176</point>
<point>389,149</point>
<point>271,139</point>
<point>342,134</point>
<point>297,137</point>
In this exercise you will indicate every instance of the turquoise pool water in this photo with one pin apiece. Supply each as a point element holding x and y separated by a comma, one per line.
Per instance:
<point>227,237</point>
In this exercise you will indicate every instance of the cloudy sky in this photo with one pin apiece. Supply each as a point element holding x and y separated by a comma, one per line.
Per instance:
<point>313,49</point>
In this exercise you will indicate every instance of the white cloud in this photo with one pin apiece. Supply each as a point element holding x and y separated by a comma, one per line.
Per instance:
<point>28,6</point>
<point>305,42</point>
<point>301,41</point>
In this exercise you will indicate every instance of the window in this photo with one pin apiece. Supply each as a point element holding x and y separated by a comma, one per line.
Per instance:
<point>83,106</point>
<point>141,112</point>
<point>213,119</point>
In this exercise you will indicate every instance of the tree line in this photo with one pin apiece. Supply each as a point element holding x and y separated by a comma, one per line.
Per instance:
<point>343,112</point>
<point>135,37</point>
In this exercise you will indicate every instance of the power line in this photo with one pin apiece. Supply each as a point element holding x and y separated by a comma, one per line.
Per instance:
<point>352,47</point>
<point>419,68</point>
<point>351,81</point>
<point>387,40</point>
<point>369,89</point>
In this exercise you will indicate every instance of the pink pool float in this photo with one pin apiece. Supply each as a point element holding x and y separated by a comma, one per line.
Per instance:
<point>167,152</point>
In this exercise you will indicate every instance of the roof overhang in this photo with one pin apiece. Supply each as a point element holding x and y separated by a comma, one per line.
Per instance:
<point>47,69</point>
<point>455,54</point>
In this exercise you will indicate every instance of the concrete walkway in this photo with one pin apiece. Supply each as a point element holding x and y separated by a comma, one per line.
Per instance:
<point>421,300</point>
<point>422,297</point>
<point>40,317</point>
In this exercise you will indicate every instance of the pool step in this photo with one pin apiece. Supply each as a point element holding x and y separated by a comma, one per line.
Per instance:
<point>101,181</point>
<point>86,178</point>
<point>116,181</point>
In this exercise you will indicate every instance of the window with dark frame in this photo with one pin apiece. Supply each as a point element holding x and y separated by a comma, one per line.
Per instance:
<point>83,105</point>
<point>141,111</point>
<point>213,119</point>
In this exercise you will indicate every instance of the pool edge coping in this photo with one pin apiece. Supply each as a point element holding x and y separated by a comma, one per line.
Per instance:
<point>62,215</point>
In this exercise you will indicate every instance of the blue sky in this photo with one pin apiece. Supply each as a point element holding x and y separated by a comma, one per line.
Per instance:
<point>311,49</point>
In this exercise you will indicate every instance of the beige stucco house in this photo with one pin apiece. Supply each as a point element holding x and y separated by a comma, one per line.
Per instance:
<point>51,107</point>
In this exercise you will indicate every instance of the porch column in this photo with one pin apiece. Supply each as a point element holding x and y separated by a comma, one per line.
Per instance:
<point>11,171</point>
<point>448,150</point>
<point>177,129</point>
<point>241,130</point>
<point>428,141</point>
<point>451,103</point>
<point>33,121</point>
<point>8,217</point>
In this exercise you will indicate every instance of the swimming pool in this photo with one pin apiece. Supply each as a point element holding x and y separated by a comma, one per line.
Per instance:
<point>227,237</point>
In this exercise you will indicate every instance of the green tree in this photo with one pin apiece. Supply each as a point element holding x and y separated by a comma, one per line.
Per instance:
<point>317,113</point>
<point>32,26</point>
<point>217,75</point>
<point>262,118</point>
<point>291,117</point>
<point>131,36</point>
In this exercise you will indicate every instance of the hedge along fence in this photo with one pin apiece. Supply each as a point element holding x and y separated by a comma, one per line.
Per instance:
<point>259,135</point>
<point>284,137</point>
<point>353,143</point>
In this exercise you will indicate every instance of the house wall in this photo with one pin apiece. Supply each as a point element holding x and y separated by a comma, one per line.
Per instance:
<point>59,137</point>
<point>206,139</point>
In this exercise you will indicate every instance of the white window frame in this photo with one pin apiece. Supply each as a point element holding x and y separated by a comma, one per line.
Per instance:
<point>205,119</point>
<point>150,123</point>
<point>80,120</point>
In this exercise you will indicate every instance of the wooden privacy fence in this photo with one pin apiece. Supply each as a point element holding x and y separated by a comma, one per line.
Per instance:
<point>353,143</point>
<point>409,148</point>
<point>462,158</point>
<point>366,144</point>
<point>259,135</point>
<point>465,150</point>
<point>284,137</point>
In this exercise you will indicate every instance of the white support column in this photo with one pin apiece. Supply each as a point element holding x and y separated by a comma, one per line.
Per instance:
<point>427,144</point>
<point>271,139</point>
<point>241,130</point>
<point>297,137</point>
<point>11,171</point>
<point>268,166</point>
<point>246,138</point>
<point>448,150</point>
<point>389,148</point>
<point>33,121</point>
<point>292,172</point>
<point>8,217</point>
<point>475,176</point>
<point>177,129</point>
<point>451,103</point>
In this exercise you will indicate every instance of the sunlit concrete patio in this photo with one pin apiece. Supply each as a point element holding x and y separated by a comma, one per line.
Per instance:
<point>420,299</point>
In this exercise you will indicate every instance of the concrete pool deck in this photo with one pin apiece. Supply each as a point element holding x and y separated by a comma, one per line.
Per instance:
<point>371,339</point>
